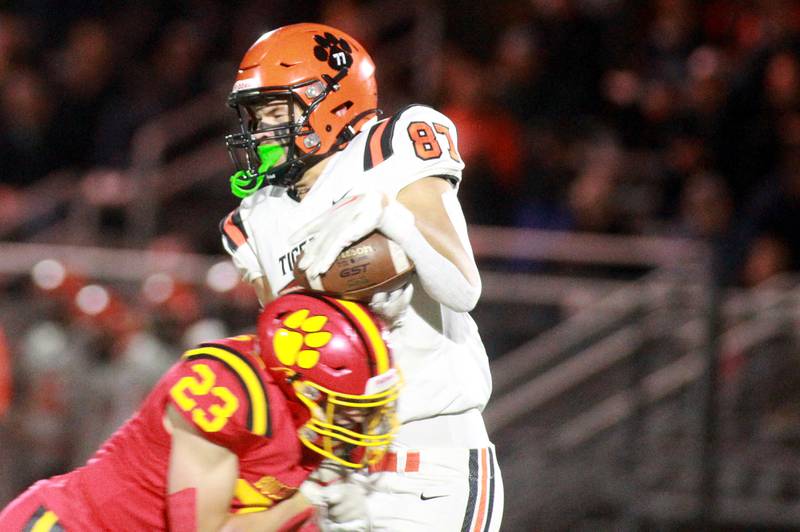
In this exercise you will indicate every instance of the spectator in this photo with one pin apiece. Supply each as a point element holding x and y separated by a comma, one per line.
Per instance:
<point>85,70</point>
<point>489,140</point>
<point>29,141</point>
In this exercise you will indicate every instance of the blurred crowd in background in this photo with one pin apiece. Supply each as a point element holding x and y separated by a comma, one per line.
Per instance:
<point>669,117</point>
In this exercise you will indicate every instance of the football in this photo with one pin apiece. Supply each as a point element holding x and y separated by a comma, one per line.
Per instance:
<point>373,264</point>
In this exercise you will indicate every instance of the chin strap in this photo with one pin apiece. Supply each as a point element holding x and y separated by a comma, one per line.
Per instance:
<point>349,131</point>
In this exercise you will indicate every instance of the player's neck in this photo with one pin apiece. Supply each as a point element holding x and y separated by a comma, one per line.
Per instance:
<point>309,178</point>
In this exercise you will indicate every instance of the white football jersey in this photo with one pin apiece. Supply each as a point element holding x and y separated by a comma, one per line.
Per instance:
<point>439,351</point>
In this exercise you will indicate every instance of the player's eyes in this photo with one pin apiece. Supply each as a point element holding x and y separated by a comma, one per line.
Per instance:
<point>350,417</point>
<point>270,128</point>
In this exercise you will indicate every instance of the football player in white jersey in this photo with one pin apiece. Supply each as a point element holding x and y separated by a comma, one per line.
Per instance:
<point>318,168</point>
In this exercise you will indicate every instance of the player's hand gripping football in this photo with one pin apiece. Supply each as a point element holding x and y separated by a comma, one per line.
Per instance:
<point>345,223</point>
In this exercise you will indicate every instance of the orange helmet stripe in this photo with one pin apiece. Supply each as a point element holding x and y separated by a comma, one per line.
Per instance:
<point>373,334</point>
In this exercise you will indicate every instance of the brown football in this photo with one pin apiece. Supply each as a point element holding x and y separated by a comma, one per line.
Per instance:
<point>373,264</point>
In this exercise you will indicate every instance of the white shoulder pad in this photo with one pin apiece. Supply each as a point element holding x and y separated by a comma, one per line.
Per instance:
<point>416,142</point>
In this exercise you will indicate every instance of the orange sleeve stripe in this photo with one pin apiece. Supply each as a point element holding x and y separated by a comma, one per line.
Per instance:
<point>375,151</point>
<point>233,232</point>
<point>482,504</point>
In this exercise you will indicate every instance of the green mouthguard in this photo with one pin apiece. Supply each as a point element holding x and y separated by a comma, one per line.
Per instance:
<point>244,183</point>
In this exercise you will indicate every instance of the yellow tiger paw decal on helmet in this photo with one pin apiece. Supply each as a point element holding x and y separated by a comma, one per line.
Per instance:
<point>299,333</point>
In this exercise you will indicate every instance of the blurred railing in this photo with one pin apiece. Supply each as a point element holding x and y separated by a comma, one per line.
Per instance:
<point>156,178</point>
<point>41,205</point>
<point>509,244</point>
<point>169,155</point>
<point>602,410</point>
<point>604,414</point>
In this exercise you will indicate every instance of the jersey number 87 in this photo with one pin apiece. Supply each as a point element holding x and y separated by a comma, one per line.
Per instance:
<point>426,145</point>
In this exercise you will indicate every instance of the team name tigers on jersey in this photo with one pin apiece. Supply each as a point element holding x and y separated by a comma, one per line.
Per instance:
<point>287,260</point>
<point>258,421</point>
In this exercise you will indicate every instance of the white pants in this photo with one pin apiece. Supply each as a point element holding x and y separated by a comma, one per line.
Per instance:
<point>437,489</point>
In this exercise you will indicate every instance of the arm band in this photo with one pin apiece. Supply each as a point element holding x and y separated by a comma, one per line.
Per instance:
<point>439,277</point>
<point>181,510</point>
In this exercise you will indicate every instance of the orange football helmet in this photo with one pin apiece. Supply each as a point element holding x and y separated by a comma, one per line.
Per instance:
<point>330,359</point>
<point>323,70</point>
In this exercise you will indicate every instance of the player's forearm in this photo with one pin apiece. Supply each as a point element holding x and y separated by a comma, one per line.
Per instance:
<point>440,278</point>
<point>421,223</point>
<point>437,215</point>
<point>201,478</point>
<point>195,509</point>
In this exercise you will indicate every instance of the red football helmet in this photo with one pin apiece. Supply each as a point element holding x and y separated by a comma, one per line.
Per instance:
<point>330,356</point>
<point>330,77</point>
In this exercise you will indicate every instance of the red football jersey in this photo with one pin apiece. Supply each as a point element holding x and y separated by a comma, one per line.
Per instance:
<point>222,389</point>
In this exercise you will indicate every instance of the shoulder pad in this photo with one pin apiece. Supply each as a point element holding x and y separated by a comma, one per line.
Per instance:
<point>220,390</point>
<point>424,140</point>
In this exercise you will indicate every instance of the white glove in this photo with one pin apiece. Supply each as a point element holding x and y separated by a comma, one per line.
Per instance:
<point>340,498</point>
<point>347,502</point>
<point>392,306</point>
<point>337,228</point>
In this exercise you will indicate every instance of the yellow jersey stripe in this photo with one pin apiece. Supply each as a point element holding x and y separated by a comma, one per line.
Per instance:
<point>45,522</point>
<point>373,334</point>
<point>259,418</point>
<point>250,497</point>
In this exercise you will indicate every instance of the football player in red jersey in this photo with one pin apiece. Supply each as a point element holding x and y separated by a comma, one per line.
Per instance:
<point>231,431</point>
